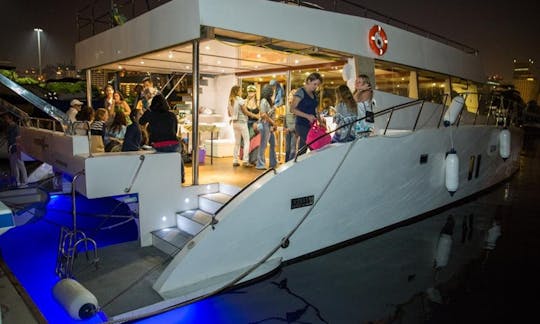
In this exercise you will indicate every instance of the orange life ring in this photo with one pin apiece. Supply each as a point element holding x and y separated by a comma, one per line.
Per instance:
<point>377,40</point>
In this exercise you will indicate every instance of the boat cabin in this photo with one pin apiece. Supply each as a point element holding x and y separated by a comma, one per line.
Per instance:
<point>186,45</point>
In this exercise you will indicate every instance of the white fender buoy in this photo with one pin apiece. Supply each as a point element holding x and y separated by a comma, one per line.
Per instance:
<point>453,111</point>
<point>504,143</point>
<point>77,300</point>
<point>492,235</point>
<point>444,246</point>
<point>452,172</point>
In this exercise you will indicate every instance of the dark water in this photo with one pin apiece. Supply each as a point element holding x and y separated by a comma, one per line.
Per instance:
<point>505,287</point>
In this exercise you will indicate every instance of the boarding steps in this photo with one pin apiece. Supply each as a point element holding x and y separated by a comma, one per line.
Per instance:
<point>190,222</point>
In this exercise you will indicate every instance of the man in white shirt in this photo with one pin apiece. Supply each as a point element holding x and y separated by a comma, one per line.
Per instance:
<point>75,107</point>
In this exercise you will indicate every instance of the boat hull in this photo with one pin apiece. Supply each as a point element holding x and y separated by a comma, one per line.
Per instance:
<point>356,189</point>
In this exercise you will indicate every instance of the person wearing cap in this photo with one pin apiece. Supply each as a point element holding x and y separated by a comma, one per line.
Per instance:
<point>74,107</point>
<point>278,93</point>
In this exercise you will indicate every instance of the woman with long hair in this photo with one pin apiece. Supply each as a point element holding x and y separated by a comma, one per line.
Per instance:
<point>345,115</point>
<point>114,133</point>
<point>121,106</point>
<point>267,123</point>
<point>363,95</point>
<point>239,117</point>
<point>162,126</point>
<point>252,105</point>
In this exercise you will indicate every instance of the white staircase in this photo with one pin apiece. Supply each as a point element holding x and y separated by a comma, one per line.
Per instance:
<point>190,222</point>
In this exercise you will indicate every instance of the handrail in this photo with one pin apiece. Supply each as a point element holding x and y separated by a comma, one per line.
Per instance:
<point>38,102</point>
<point>376,114</point>
<point>37,122</point>
<point>175,85</point>
<point>413,103</point>
<point>127,8</point>
<point>128,189</point>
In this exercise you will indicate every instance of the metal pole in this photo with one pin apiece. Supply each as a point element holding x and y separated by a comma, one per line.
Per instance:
<point>39,30</point>
<point>89,87</point>
<point>195,114</point>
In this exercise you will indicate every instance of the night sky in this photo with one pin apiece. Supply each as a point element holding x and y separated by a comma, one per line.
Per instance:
<point>501,30</point>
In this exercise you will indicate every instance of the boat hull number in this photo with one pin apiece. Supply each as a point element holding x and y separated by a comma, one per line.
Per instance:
<point>302,201</point>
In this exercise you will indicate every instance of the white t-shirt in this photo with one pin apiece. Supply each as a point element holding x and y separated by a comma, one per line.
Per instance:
<point>71,113</point>
<point>237,113</point>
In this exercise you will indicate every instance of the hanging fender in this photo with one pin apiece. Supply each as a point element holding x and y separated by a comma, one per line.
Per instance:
<point>442,255</point>
<point>452,172</point>
<point>453,110</point>
<point>492,235</point>
<point>504,143</point>
<point>78,301</point>
<point>444,245</point>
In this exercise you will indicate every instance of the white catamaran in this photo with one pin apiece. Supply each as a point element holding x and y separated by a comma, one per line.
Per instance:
<point>438,140</point>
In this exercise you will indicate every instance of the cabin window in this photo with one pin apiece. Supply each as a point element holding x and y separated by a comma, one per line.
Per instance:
<point>395,79</point>
<point>469,91</point>
<point>433,87</point>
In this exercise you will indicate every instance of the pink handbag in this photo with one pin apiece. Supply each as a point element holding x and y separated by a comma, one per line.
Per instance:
<point>314,133</point>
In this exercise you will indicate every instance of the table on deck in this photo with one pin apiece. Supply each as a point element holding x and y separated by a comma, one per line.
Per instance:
<point>203,127</point>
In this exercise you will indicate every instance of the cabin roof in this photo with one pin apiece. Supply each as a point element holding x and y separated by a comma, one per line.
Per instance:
<point>243,36</point>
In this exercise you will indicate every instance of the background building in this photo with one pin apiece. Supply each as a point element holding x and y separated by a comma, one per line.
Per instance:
<point>525,81</point>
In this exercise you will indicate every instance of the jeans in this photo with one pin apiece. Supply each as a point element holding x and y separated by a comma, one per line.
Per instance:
<point>241,132</point>
<point>301,132</point>
<point>267,137</point>
<point>290,144</point>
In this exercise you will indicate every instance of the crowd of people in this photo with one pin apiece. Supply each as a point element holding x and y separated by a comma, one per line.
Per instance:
<point>254,121</point>
<point>118,127</point>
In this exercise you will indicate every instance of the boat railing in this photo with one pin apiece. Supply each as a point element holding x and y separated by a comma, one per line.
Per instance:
<point>498,106</point>
<point>56,126</point>
<point>379,113</point>
<point>388,111</point>
<point>100,15</point>
<point>43,123</point>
